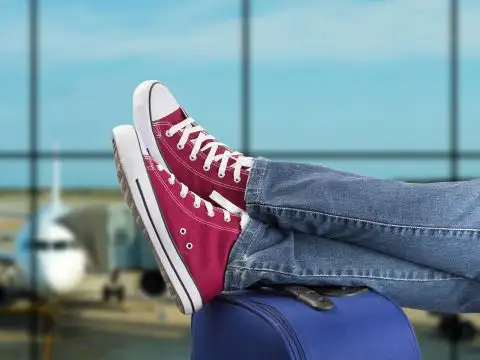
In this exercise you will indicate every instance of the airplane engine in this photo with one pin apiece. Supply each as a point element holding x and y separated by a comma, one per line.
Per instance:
<point>152,283</point>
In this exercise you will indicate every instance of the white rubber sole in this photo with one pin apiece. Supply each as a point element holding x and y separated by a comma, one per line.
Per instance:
<point>140,197</point>
<point>143,120</point>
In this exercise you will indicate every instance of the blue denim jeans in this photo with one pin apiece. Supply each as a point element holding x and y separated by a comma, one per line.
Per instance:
<point>418,244</point>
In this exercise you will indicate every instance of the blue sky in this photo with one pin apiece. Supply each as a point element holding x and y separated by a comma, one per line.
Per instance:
<point>326,75</point>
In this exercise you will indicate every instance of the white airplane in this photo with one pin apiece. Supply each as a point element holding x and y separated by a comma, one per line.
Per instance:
<point>54,261</point>
<point>49,263</point>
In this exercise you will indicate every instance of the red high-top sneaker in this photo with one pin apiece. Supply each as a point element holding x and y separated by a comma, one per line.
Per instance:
<point>191,238</point>
<point>176,141</point>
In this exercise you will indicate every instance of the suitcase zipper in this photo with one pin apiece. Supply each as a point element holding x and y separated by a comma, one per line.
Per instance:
<point>279,319</point>
<point>299,353</point>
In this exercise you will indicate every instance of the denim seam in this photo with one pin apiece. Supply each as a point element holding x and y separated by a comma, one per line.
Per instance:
<point>260,188</point>
<point>242,255</point>
<point>262,168</point>
<point>364,221</point>
<point>240,268</point>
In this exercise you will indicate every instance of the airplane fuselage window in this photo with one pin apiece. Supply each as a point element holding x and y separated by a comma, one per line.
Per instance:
<point>53,245</point>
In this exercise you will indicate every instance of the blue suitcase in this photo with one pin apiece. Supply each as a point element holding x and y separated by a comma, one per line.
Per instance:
<point>326,324</point>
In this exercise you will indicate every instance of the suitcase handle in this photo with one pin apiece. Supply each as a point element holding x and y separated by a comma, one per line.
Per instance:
<point>341,291</point>
<point>317,297</point>
<point>310,297</point>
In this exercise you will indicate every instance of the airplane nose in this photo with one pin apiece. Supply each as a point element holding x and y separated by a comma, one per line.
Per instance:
<point>65,273</point>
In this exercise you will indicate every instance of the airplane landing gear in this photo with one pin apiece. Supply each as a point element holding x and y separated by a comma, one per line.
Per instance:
<point>113,288</point>
<point>108,292</point>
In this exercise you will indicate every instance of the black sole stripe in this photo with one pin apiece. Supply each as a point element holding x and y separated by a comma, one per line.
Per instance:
<point>160,242</point>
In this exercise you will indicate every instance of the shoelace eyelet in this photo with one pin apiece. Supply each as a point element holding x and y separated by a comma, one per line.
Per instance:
<point>196,206</point>
<point>237,180</point>
<point>180,147</point>
<point>183,231</point>
<point>168,134</point>
<point>221,175</point>
<point>193,158</point>
<point>183,196</point>
<point>189,246</point>
<point>212,214</point>
<point>227,219</point>
<point>206,168</point>
<point>171,182</point>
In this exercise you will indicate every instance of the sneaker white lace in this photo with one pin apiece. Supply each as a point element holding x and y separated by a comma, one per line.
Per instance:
<point>204,142</point>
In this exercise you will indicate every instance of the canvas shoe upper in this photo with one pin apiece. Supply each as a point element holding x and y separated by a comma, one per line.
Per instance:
<point>191,238</point>
<point>176,141</point>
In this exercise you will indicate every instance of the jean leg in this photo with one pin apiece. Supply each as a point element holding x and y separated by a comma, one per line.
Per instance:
<point>437,224</point>
<point>276,256</point>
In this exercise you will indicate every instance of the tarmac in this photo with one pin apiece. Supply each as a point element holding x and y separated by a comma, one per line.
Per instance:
<point>83,327</point>
<point>98,338</point>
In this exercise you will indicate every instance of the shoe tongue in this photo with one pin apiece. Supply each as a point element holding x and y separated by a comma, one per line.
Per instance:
<point>175,117</point>
<point>226,204</point>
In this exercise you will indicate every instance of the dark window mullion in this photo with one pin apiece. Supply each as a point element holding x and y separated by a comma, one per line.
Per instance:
<point>246,74</point>
<point>453,25</point>
<point>33,35</point>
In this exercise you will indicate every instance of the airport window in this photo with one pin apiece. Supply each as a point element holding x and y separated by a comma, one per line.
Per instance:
<point>467,86</point>
<point>308,81</point>
<point>413,170</point>
<point>322,87</point>
<point>470,169</point>
<point>14,71</point>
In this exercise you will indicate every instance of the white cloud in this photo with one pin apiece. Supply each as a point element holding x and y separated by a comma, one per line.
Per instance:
<point>317,30</point>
